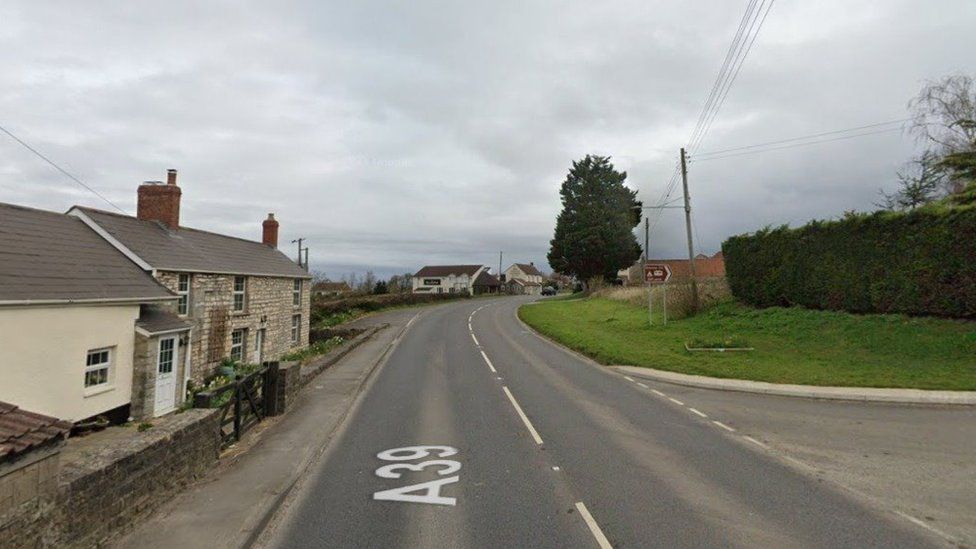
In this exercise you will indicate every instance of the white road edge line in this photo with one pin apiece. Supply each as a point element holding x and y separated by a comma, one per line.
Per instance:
<point>724,426</point>
<point>475,340</point>
<point>490,365</point>
<point>676,401</point>
<point>525,420</point>
<point>756,442</point>
<point>697,412</point>
<point>601,539</point>
<point>642,385</point>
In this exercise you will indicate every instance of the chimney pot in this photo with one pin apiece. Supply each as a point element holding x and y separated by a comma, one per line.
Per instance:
<point>269,228</point>
<point>160,203</point>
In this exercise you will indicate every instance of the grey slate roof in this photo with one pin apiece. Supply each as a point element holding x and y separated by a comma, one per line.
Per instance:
<point>156,320</point>
<point>447,270</point>
<point>193,250</point>
<point>48,256</point>
<point>529,269</point>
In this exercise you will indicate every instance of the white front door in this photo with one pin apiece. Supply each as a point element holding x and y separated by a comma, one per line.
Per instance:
<point>166,360</point>
<point>259,346</point>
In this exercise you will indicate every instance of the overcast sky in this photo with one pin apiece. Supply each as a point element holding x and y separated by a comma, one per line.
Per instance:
<point>393,135</point>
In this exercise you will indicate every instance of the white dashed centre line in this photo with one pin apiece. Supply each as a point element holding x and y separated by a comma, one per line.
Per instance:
<point>628,378</point>
<point>644,386</point>
<point>756,442</point>
<point>601,539</point>
<point>488,361</point>
<point>658,393</point>
<point>525,419</point>
<point>724,426</point>
<point>697,412</point>
<point>475,340</point>
<point>676,401</point>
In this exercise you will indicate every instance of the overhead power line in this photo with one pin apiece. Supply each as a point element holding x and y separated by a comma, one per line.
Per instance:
<point>742,43</point>
<point>733,46</point>
<point>793,146</point>
<point>804,137</point>
<point>60,169</point>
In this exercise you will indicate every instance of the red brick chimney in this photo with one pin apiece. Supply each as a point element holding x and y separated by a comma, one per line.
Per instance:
<point>270,235</point>
<point>158,202</point>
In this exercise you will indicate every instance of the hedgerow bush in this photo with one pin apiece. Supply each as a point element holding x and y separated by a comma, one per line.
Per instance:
<point>921,262</point>
<point>353,306</point>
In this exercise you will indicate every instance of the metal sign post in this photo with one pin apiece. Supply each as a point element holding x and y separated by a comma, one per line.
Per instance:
<point>664,290</point>
<point>650,313</point>
<point>656,273</point>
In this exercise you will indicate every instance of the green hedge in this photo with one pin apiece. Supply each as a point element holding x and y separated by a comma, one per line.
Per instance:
<point>322,307</point>
<point>921,263</point>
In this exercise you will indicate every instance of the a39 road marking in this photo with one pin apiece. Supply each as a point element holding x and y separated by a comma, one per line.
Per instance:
<point>425,492</point>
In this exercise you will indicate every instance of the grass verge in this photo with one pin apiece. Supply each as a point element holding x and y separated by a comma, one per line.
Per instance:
<point>792,345</point>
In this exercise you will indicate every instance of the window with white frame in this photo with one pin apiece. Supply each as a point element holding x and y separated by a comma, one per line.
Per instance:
<point>296,329</point>
<point>240,293</point>
<point>238,340</point>
<point>183,290</point>
<point>296,293</point>
<point>98,366</point>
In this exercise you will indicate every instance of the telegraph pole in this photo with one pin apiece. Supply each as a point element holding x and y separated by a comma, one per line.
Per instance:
<point>691,247</point>
<point>647,237</point>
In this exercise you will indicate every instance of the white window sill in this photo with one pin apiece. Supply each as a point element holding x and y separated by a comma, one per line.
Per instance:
<point>98,389</point>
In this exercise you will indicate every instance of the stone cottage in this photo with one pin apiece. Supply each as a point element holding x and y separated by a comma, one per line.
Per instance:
<point>244,299</point>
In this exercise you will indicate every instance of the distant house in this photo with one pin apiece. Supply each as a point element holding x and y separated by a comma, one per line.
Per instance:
<point>86,332</point>
<point>705,267</point>
<point>331,289</point>
<point>440,279</point>
<point>244,299</point>
<point>486,283</point>
<point>522,278</point>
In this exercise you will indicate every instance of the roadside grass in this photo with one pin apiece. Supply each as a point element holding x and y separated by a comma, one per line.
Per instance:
<point>792,345</point>
<point>316,349</point>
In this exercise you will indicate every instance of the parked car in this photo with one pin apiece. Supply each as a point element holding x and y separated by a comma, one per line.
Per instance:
<point>548,290</point>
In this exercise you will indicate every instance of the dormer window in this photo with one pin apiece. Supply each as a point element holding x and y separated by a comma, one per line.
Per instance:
<point>240,293</point>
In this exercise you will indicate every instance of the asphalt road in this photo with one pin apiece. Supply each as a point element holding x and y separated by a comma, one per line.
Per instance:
<point>536,448</point>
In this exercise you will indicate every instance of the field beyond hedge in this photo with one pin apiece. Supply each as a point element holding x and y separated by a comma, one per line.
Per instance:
<point>792,345</point>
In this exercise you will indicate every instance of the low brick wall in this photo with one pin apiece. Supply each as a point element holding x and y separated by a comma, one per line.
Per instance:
<point>110,481</point>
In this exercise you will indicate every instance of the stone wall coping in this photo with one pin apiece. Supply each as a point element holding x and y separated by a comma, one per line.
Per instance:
<point>84,456</point>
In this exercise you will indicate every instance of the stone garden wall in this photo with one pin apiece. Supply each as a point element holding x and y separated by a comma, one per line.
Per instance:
<point>109,482</point>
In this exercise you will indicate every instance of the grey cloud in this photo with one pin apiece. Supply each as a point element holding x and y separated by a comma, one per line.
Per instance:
<point>393,134</point>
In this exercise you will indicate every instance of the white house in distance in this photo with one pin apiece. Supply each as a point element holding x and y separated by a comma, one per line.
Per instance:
<point>522,278</point>
<point>443,279</point>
